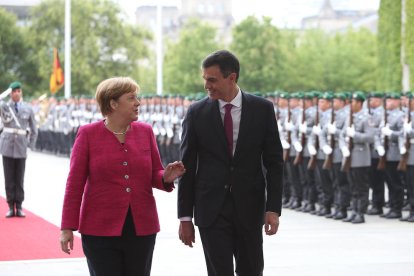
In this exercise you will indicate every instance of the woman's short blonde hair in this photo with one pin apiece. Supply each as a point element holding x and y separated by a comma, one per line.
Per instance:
<point>112,89</point>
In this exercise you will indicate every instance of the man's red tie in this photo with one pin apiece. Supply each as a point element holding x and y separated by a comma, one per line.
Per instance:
<point>228,127</point>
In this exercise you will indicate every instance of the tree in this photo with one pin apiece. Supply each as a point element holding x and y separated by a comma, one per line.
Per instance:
<point>182,61</point>
<point>389,46</point>
<point>257,45</point>
<point>103,45</point>
<point>409,39</point>
<point>13,53</point>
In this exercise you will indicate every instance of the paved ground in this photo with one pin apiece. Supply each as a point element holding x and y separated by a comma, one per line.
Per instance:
<point>305,244</point>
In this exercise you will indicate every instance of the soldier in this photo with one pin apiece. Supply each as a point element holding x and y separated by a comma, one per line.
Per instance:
<point>324,187</point>
<point>409,132</point>
<point>341,185</point>
<point>393,130</point>
<point>355,143</point>
<point>377,178</point>
<point>19,132</point>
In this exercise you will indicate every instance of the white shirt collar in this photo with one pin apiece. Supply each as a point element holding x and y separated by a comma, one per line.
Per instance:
<point>237,101</point>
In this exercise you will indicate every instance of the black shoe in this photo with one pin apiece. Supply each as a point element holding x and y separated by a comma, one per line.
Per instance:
<point>350,218</point>
<point>393,215</point>
<point>384,215</point>
<point>10,213</point>
<point>332,214</point>
<point>296,204</point>
<point>359,218</point>
<point>310,208</point>
<point>375,211</point>
<point>340,215</point>
<point>324,212</point>
<point>411,218</point>
<point>20,213</point>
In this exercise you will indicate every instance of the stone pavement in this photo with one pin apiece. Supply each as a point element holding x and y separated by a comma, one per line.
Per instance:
<point>305,244</point>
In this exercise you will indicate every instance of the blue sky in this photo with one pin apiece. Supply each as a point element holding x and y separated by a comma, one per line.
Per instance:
<point>285,13</point>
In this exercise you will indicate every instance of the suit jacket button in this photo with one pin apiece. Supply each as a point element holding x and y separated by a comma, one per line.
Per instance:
<point>226,186</point>
<point>126,176</point>
<point>128,190</point>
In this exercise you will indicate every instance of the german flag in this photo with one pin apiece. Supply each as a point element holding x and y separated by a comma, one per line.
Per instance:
<point>56,78</point>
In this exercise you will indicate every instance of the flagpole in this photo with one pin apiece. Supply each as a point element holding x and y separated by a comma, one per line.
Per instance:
<point>67,49</point>
<point>159,48</point>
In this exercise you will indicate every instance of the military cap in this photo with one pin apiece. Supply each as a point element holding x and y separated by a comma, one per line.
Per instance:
<point>393,95</point>
<point>409,94</point>
<point>348,94</point>
<point>376,94</point>
<point>15,85</point>
<point>340,96</point>
<point>316,94</point>
<point>326,96</point>
<point>308,95</point>
<point>284,95</point>
<point>359,96</point>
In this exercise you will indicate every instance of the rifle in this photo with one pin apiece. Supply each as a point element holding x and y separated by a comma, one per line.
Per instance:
<point>402,165</point>
<point>331,138</point>
<point>346,163</point>
<point>312,160</point>
<point>286,151</point>
<point>383,159</point>
<point>299,155</point>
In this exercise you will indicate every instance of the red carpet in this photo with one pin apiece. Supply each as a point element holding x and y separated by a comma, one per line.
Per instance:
<point>31,238</point>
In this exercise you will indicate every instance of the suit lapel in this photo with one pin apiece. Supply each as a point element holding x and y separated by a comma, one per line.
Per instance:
<point>246,113</point>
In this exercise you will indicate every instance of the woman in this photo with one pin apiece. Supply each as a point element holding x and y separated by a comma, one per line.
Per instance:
<point>114,165</point>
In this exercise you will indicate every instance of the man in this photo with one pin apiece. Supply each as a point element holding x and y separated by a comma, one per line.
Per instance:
<point>234,170</point>
<point>19,132</point>
<point>355,143</point>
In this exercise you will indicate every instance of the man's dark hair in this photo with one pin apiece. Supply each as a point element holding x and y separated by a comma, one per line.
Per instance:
<point>227,62</point>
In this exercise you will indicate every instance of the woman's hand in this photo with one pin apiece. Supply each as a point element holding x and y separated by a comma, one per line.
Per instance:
<point>66,240</point>
<point>173,170</point>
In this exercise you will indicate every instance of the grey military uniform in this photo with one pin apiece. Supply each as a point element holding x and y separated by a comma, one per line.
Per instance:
<point>19,130</point>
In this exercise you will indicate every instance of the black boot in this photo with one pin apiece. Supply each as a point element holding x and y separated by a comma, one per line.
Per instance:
<point>359,218</point>
<point>11,212</point>
<point>19,211</point>
<point>341,214</point>
<point>310,208</point>
<point>393,214</point>
<point>409,218</point>
<point>350,218</point>
<point>375,211</point>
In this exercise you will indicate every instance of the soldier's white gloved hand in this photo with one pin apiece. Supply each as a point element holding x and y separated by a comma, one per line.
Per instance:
<point>279,126</point>
<point>285,144</point>
<point>316,130</point>
<point>298,147</point>
<point>327,149</point>
<point>350,131</point>
<point>345,152</point>
<point>407,127</point>
<point>331,128</point>
<point>312,150</point>
<point>380,150</point>
<point>386,131</point>
<point>403,150</point>
<point>303,127</point>
<point>289,126</point>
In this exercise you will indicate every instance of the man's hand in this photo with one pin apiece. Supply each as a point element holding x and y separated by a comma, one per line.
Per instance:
<point>271,223</point>
<point>186,233</point>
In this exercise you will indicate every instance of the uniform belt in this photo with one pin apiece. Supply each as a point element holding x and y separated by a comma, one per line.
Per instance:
<point>14,130</point>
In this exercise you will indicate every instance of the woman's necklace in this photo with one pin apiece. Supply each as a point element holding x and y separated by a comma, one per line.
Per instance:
<point>114,132</point>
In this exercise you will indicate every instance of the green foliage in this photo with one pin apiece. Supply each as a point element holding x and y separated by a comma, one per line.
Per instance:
<point>256,43</point>
<point>182,61</point>
<point>409,39</point>
<point>103,45</point>
<point>13,53</point>
<point>389,46</point>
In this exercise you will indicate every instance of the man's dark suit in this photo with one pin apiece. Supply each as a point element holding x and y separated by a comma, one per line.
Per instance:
<point>254,173</point>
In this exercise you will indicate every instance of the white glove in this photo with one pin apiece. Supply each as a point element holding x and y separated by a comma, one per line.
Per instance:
<point>407,127</point>
<point>380,150</point>
<point>331,128</point>
<point>350,131</point>
<point>303,127</point>
<point>285,144</point>
<point>298,147</point>
<point>403,150</point>
<point>289,126</point>
<point>279,126</point>
<point>316,130</point>
<point>312,150</point>
<point>345,152</point>
<point>327,149</point>
<point>386,131</point>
